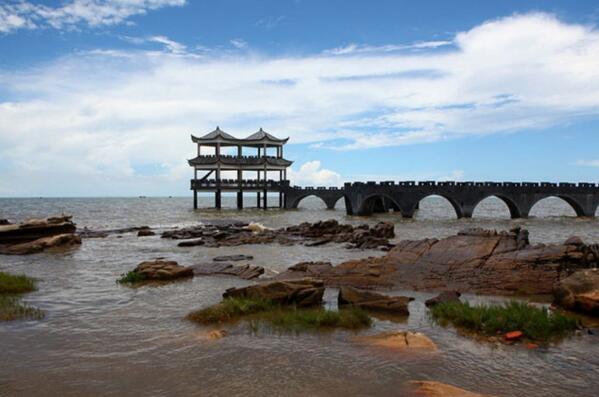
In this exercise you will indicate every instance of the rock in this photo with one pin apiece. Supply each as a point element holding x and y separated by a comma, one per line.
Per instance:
<point>309,234</point>
<point>579,292</point>
<point>61,241</point>
<point>256,227</point>
<point>574,240</point>
<point>446,296</point>
<point>217,334</point>
<point>191,243</point>
<point>232,258</point>
<point>145,233</point>
<point>87,233</point>
<point>398,340</point>
<point>373,301</point>
<point>246,272</point>
<point>306,292</point>
<point>427,388</point>
<point>532,346</point>
<point>162,270</point>
<point>4,222</point>
<point>513,336</point>
<point>475,260</point>
<point>384,230</point>
<point>34,229</point>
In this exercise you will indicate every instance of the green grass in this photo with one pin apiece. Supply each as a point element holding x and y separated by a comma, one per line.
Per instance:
<point>11,308</point>
<point>15,284</point>
<point>535,323</point>
<point>281,317</point>
<point>131,278</point>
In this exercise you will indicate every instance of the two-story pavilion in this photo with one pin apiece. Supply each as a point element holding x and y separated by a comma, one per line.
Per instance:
<point>220,153</point>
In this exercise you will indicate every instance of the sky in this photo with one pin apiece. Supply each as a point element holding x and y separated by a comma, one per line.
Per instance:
<point>99,98</point>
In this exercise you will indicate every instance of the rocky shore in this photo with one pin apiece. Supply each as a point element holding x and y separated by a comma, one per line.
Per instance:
<point>308,234</point>
<point>478,261</point>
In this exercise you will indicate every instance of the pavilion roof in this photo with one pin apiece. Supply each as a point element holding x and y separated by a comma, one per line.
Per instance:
<point>256,139</point>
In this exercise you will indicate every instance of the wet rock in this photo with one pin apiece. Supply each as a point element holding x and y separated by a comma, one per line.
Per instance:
<point>369,300</point>
<point>34,229</point>
<point>574,240</point>
<point>579,292</point>
<point>36,235</point>
<point>306,292</point>
<point>427,388</point>
<point>232,258</point>
<point>475,260</point>
<point>4,222</point>
<point>88,233</point>
<point>60,241</point>
<point>446,296</point>
<point>192,243</point>
<point>309,234</point>
<point>145,233</point>
<point>162,270</point>
<point>398,340</point>
<point>246,272</point>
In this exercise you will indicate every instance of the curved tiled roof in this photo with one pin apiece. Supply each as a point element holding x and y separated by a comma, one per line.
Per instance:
<point>240,160</point>
<point>255,139</point>
<point>262,135</point>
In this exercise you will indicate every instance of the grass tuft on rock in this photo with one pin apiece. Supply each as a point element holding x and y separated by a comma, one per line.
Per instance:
<point>279,316</point>
<point>11,308</point>
<point>131,278</point>
<point>16,283</point>
<point>535,323</point>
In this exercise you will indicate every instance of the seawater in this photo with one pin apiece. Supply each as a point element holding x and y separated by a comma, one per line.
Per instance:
<point>99,338</point>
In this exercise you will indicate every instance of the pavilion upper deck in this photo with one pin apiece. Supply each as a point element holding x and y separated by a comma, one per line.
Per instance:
<point>249,163</point>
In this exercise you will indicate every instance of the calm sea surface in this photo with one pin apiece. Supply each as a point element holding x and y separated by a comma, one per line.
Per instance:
<point>102,339</point>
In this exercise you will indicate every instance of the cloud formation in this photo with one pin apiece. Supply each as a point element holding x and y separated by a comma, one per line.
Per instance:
<point>101,114</point>
<point>311,174</point>
<point>22,14</point>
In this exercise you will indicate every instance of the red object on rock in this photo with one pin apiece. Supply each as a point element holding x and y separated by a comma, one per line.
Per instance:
<point>513,335</point>
<point>531,346</point>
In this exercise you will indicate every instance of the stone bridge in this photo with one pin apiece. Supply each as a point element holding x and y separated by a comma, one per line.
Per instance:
<point>370,197</point>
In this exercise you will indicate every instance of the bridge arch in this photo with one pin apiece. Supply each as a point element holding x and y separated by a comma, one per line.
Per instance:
<point>512,206</point>
<point>378,202</point>
<point>572,203</point>
<point>451,200</point>
<point>297,200</point>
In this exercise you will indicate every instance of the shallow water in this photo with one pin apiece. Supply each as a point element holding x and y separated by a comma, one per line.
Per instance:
<point>99,338</point>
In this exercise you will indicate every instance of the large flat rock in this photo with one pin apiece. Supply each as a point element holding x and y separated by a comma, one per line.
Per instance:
<point>479,261</point>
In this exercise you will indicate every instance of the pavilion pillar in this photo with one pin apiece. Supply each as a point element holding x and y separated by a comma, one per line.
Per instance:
<point>265,178</point>
<point>258,199</point>
<point>217,194</point>
<point>280,188</point>
<point>239,182</point>
<point>195,191</point>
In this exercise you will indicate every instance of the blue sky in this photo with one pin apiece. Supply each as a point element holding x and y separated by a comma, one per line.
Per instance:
<point>99,97</point>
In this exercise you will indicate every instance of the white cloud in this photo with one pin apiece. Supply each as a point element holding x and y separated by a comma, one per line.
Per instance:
<point>92,117</point>
<point>310,174</point>
<point>170,45</point>
<point>73,13</point>
<point>354,48</point>
<point>588,163</point>
<point>239,43</point>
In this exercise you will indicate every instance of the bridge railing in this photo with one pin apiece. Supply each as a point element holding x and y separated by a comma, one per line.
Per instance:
<point>580,185</point>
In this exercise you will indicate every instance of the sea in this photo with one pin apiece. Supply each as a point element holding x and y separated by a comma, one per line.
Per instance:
<point>99,338</point>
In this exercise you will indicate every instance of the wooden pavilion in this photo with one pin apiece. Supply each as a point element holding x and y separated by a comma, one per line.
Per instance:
<point>220,153</point>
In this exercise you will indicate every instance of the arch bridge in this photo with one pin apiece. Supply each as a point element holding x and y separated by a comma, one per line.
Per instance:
<point>371,197</point>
